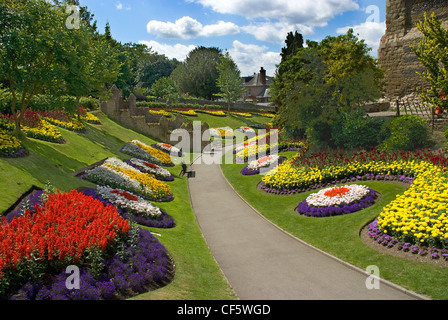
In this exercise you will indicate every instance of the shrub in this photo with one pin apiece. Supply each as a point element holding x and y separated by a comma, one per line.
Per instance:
<point>355,130</point>
<point>407,132</point>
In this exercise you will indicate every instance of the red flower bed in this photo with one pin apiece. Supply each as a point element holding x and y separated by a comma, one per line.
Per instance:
<point>334,192</point>
<point>326,158</point>
<point>62,228</point>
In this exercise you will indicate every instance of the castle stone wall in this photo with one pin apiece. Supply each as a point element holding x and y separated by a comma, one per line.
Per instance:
<point>394,53</point>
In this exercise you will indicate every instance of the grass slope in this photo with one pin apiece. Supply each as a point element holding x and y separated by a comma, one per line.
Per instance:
<point>197,274</point>
<point>339,235</point>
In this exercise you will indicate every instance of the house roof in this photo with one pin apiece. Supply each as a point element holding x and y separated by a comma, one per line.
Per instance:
<point>255,81</point>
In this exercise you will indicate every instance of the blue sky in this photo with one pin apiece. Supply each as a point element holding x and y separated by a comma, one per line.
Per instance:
<point>253,31</point>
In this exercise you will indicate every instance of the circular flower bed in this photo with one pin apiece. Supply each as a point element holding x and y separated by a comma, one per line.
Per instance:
<point>262,164</point>
<point>337,200</point>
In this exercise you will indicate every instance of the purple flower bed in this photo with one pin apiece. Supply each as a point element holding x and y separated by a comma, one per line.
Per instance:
<point>304,209</point>
<point>176,154</point>
<point>165,221</point>
<point>388,241</point>
<point>33,198</point>
<point>248,172</point>
<point>136,269</point>
<point>366,177</point>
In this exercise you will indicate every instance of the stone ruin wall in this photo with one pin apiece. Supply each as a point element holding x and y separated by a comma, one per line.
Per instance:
<point>154,126</point>
<point>394,54</point>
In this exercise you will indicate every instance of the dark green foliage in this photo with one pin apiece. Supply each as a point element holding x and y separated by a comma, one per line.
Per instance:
<point>198,75</point>
<point>407,132</point>
<point>356,130</point>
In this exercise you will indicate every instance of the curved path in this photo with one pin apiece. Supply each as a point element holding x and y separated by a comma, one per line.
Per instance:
<point>262,262</point>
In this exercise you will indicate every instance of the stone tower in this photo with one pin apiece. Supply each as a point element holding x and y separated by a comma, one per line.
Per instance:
<point>394,53</point>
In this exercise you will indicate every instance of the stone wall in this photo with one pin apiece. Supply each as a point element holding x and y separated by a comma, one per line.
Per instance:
<point>394,53</point>
<point>155,126</point>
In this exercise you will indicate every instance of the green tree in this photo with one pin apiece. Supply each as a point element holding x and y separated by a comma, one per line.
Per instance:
<point>432,51</point>
<point>33,54</point>
<point>165,88</point>
<point>198,74</point>
<point>321,80</point>
<point>229,80</point>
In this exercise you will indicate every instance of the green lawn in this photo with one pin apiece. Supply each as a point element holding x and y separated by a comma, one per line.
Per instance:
<point>197,274</point>
<point>231,121</point>
<point>339,235</point>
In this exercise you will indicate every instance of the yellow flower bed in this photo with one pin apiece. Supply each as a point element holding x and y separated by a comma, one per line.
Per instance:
<point>225,134</point>
<point>242,114</point>
<point>419,215</point>
<point>190,112</point>
<point>45,131</point>
<point>162,112</point>
<point>90,118</point>
<point>163,156</point>
<point>8,144</point>
<point>217,113</point>
<point>74,124</point>
<point>159,188</point>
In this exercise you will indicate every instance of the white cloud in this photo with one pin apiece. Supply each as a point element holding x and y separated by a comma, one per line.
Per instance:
<point>187,28</point>
<point>370,31</point>
<point>177,51</point>
<point>312,13</point>
<point>275,32</point>
<point>119,6</point>
<point>250,58</point>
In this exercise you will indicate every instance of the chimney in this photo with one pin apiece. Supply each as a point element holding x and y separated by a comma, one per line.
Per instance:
<point>262,76</point>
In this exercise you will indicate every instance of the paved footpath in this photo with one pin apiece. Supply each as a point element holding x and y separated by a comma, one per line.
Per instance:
<point>262,262</point>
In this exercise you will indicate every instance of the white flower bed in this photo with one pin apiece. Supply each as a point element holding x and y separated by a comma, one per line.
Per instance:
<point>128,201</point>
<point>263,162</point>
<point>168,147</point>
<point>242,147</point>
<point>109,176</point>
<point>246,130</point>
<point>150,167</point>
<point>355,193</point>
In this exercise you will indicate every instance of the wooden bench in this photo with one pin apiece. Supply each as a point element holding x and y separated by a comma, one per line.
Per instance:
<point>186,170</point>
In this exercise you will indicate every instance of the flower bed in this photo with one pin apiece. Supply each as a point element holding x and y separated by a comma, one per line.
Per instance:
<point>132,207</point>
<point>223,133</point>
<point>160,111</point>
<point>117,259</point>
<point>265,163</point>
<point>10,146</point>
<point>116,173</point>
<point>189,113</point>
<point>246,130</point>
<point>390,242</point>
<point>216,113</point>
<point>242,114</point>
<point>168,148</point>
<point>336,201</point>
<point>151,168</point>
<point>142,151</point>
